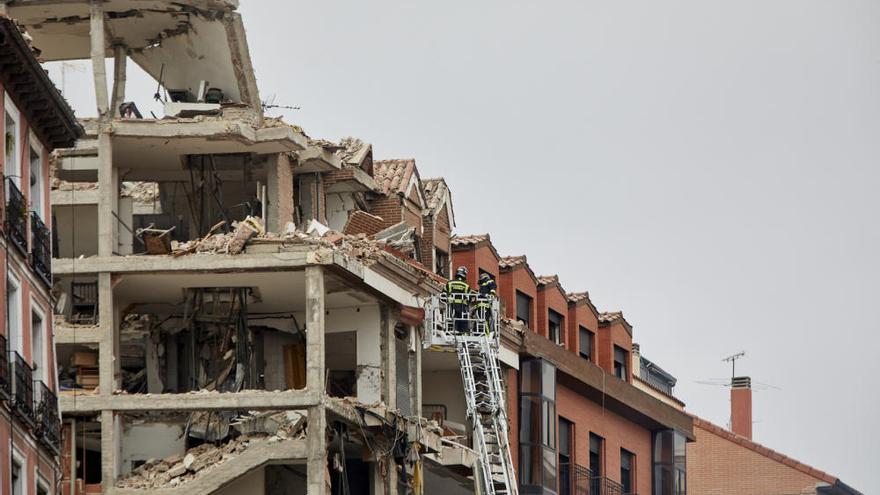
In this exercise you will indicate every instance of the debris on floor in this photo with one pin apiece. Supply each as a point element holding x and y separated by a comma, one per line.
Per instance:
<point>251,429</point>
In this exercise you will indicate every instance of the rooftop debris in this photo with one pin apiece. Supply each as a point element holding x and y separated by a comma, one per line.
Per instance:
<point>250,430</point>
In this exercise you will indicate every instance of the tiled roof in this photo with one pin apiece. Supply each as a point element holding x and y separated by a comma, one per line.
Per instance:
<point>577,297</point>
<point>764,451</point>
<point>349,147</point>
<point>608,317</point>
<point>512,261</point>
<point>392,176</point>
<point>468,240</point>
<point>548,279</point>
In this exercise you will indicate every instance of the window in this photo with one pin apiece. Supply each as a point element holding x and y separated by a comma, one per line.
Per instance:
<point>538,422</point>
<point>42,488</point>
<point>670,463</point>
<point>17,477</point>
<point>586,344</point>
<point>566,454</point>
<point>38,346</point>
<point>441,263</point>
<point>620,359</point>
<point>596,454</point>
<point>524,308</point>
<point>557,323</point>
<point>11,142</point>
<point>36,171</point>
<point>627,468</point>
<point>13,308</point>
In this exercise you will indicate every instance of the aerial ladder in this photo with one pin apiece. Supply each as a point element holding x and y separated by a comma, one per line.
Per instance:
<point>474,335</point>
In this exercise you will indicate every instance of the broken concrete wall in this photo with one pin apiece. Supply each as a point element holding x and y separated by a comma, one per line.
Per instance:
<point>274,347</point>
<point>340,206</point>
<point>142,442</point>
<point>279,179</point>
<point>77,229</point>
<point>444,387</point>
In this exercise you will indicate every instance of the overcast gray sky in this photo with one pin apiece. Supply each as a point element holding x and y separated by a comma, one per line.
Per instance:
<point>708,167</point>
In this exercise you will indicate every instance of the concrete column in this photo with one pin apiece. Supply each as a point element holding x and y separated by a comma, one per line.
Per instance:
<point>416,371</point>
<point>315,356</point>
<point>108,196</point>
<point>111,449</point>
<point>369,356</point>
<point>151,356</point>
<point>120,60</point>
<point>108,347</point>
<point>98,46</point>
<point>316,466</point>
<point>279,187</point>
<point>389,357</point>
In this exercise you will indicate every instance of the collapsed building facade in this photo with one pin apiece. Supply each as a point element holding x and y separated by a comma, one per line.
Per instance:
<point>217,330</point>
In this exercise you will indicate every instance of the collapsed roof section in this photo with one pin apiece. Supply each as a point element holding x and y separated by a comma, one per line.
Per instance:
<point>182,43</point>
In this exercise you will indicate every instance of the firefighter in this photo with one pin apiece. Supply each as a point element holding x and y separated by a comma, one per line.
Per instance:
<point>487,297</point>
<point>457,292</point>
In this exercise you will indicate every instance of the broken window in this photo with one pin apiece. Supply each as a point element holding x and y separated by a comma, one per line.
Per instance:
<point>556,325</point>
<point>524,308</point>
<point>441,263</point>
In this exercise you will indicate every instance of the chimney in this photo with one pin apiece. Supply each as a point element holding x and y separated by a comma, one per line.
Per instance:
<point>741,406</point>
<point>636,360</point>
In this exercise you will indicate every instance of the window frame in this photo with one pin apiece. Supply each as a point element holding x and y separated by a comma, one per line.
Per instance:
<point>522,295</point>
<point>14,327</point>
<point>591,337</point>
<point>559,324</point>
<point>18,459</point>
<point>624,367</point>
<point>629,485</point>
<point>11,109</point>
<point>40,372</point>
<point>600,454</point>
<point>36,200</point>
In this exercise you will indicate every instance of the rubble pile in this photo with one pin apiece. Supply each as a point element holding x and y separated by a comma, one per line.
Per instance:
<point>177,469</point>
<point>140,192</point>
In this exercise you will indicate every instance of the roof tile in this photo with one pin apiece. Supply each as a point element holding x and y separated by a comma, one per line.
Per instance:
<point>512,261</point>
<point>392,176</point>
<point>468,240</point>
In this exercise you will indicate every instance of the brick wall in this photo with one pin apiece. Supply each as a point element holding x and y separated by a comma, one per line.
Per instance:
<point>618,432</point>
<point>475,258</point>
<point>388,208</point>
<point>721,466</point>
<point>361,222</point>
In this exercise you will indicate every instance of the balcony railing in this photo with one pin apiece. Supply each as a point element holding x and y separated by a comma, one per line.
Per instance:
<point>48,423</point>
<point>22,388</point>
<point>575,479</point>
<point>41,248</point>
<point>16,217</point>
<point>5,381</point>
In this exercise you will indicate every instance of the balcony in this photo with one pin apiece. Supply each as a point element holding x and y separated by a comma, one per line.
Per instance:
<point>16,217</point>
<point>48,423</point>
<point>5,383</point>
<point>41,249</point>
<point>575,479</point>
<point>22,388</point>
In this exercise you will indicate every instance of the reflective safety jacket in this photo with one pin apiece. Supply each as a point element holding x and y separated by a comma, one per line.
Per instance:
<point>487,288</point>
<point>458,291</point>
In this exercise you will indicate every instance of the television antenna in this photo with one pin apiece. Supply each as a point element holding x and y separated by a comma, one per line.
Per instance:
<point>732,360</point>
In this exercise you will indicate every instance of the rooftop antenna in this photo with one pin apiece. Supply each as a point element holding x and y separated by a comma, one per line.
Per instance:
<point>270,103</point>
<point>732,360</point>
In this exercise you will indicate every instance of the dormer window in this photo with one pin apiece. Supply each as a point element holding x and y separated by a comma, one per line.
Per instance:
<point>620,359</point>
<point>524,309</point>
<point>585,344</point>
<point>556,325</point>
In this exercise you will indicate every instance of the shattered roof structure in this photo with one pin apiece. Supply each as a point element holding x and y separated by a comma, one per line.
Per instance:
<point>394,176</point>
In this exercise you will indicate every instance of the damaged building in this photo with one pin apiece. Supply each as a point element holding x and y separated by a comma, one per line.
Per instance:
<point>238,307</point>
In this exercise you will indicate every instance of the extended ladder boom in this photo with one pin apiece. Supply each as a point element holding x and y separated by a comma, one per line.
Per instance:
<point>473,333</point>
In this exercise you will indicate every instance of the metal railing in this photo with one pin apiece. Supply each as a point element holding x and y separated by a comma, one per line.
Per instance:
<point>575,479</point>
<point>22,388</point>
<point>5,381</point>
<point>48,423</point>
<point>41,248</point>
<point>16,217</point>
<point>452,317</point>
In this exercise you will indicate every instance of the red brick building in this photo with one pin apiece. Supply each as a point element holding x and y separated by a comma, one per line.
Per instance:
<point>578,424</point>
<point>36,120</point>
